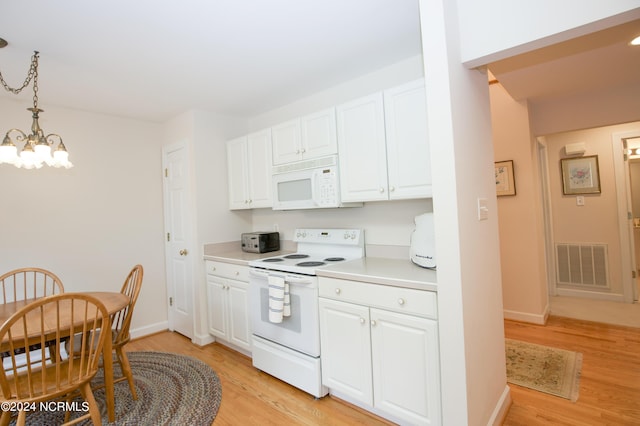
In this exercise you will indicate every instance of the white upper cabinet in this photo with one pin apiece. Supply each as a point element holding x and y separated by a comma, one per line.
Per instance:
<point>361,149</point>
<point>319,136</point>
<point>408,154</point>
<point>383,146</point>
<point>287,142</point>
<point>249,171</point>
<point>308,137</point>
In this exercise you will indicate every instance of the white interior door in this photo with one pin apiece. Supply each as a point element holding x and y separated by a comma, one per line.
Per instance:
<point>179,252</point>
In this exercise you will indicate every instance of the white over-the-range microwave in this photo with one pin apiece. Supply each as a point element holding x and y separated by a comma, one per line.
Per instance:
<point>308,184</point>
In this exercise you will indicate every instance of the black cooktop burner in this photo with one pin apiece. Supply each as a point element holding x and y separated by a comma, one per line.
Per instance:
<point>334,259</point>
<point>296,256</point>
<point>310,263</point>
<point>273,259</point>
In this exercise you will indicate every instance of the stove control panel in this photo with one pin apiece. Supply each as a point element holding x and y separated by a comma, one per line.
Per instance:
<point>329,236</point>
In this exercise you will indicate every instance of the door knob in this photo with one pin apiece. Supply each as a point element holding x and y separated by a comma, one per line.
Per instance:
<point>183,252</point>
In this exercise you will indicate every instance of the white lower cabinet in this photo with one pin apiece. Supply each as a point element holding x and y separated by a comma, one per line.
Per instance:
<point>227,303</point>
<point>380,349</point>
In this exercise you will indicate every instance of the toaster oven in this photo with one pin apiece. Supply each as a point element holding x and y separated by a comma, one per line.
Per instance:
<point>260,242</point>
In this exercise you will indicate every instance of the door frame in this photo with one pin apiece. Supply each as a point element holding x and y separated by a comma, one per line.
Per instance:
<point>625,218</point>
<point>545,197</point>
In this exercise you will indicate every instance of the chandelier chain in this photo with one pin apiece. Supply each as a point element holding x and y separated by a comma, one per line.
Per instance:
<point>32,74</point>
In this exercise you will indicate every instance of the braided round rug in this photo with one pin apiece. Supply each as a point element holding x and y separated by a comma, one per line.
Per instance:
<point>172,389</point>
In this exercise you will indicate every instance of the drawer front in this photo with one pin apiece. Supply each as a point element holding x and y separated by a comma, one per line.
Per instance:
<point>398,299</point>
<point>228,270</point>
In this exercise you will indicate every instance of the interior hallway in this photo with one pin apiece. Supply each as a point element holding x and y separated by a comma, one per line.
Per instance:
<point>625,314</point>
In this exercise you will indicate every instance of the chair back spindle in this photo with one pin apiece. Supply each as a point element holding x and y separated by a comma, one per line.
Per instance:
<point>28,283</point>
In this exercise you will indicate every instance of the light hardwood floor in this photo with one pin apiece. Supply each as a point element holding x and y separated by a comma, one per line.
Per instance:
<point>251,397</point>
<point>609,386</point>
<point>610,380</point>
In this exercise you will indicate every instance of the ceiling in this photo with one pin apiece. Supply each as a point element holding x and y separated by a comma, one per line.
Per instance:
<point>598,61</point>
<point>154,59</point>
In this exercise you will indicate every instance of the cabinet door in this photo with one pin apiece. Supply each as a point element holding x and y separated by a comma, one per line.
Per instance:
<point>346,349</point>
<point>217,306</point>
<point>319,134</point>
<point>408,154</point>
<point>239,330</point>
<point>286,142</point>
<point>237,169</point>
<point>361,149</point>
<point>260,168</point>
<point>406,367</point>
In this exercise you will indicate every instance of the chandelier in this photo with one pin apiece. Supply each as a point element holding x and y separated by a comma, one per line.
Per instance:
<point>36,150</point>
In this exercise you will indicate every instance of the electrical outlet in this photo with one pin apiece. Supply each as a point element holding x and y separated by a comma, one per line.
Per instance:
<point>276,228</point>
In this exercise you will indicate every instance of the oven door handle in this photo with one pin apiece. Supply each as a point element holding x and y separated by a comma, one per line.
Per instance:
<point>258,274</point>
<point>298,280</point>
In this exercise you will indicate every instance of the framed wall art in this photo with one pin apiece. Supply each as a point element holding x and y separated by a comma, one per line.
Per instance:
<point>580,175</point>
<point>505,180</point>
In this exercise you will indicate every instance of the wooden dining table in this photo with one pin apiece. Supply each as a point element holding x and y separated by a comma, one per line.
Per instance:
<point>113,302</point>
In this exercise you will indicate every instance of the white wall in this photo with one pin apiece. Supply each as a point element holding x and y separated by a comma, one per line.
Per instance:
<point>496,29</point>
<point>469,284</point>
<point>597,220</point>
<point>521,227</point>
<point>92,223</point>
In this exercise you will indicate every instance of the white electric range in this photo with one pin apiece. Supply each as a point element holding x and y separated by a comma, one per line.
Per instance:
<point>288,346</point>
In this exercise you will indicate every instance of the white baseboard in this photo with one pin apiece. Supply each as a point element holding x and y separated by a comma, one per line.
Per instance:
<point>149,329</point>
<point>502,408</point>
<point>527,317</point>
<point>203,339</point>
<point>199,340</point>
<point>611,297</point>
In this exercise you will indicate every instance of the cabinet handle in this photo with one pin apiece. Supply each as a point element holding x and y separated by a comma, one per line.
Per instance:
<point>401,301</point>
<point>238,273</point>
<point>213,268</point>
<point>362,320</point>
<point>183,252</point>
<point>304,150</point>
<point>338,291</point>
<point>373,323</point>
<point>297,151</point>
<point>381,190</point>
<point>392,188</point>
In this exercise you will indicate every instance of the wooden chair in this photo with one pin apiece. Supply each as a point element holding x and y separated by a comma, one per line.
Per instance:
<point>49,319</point>
<point>120,323</point>
<point>28,283</point>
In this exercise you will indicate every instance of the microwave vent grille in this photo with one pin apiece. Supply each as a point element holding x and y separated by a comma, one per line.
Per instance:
<point>306,164</point>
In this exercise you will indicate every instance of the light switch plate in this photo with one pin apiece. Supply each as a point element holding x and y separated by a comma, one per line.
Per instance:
<point>483,210</point>
<point>580,200</point>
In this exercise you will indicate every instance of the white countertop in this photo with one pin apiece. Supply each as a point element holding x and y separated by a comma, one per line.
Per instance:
<point>377,270</point>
